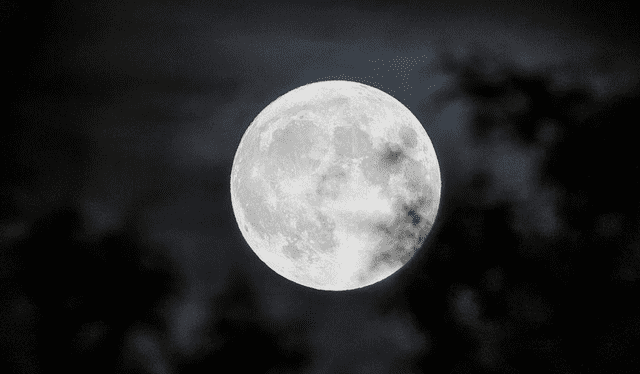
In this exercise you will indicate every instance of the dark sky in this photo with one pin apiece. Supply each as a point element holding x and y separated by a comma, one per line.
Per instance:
<point>113,103</point>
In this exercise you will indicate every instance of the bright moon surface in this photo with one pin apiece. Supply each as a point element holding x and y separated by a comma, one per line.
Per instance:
<point>335,185</point>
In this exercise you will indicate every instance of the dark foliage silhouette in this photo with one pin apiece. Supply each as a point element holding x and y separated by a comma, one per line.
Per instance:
<point>245,337</point>
<point>567,300</point>
<point>81,294</point>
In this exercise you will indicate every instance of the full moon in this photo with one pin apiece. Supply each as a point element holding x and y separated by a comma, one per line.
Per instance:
<point>335,185</point>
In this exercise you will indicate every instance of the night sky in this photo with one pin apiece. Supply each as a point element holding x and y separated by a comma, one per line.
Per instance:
<point>120,253</point>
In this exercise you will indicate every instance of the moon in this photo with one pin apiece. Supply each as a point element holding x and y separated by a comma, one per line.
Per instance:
<point>335,185</point>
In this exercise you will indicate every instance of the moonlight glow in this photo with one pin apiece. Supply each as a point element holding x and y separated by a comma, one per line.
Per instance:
<point>335,185</point>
